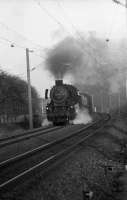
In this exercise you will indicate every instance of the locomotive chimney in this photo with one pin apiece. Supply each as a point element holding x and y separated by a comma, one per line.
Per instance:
<point>59,82</point>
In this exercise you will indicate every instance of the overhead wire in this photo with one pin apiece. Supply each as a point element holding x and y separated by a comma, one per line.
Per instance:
<point>33,68</point>
<point>21,36</point>
<point>82,39</point>
<point>66,16</point>
<point>22,74</point>
<point>59,2</point>
<point>60,24</point>
<point>113,24</point>
<point>118,2</point>
<point>51,16</point>
<point>23,47</point>
<point>77,32</point>
<point>14,44</point>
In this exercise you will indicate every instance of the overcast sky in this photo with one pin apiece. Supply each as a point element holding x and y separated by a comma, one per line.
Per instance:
<point>39,24</point>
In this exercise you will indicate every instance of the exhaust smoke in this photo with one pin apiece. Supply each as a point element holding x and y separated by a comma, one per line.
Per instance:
<point>91,66</point>
<point>63,58</point>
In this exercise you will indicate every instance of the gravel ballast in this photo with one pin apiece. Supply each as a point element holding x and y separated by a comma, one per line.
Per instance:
<point>93,167</point>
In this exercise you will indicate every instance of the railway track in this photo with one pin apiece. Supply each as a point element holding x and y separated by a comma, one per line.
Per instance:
<point>17,168</point>
<point>26,135</point>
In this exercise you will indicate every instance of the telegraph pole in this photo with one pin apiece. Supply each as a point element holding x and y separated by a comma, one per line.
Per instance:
<point>119,103</point>
<point>102,105</point>
<point>126,27</point>
<point>110,105</point>
<point>92,101</point>
<point>29,90</point>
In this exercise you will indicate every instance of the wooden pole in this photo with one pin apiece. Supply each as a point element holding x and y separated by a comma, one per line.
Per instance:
<point>29,91</point>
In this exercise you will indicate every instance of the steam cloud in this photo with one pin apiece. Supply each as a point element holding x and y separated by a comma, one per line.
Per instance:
<point>46,122</point>
<point>82,116</point>
<point>90,62</point>
<point>94,65</point>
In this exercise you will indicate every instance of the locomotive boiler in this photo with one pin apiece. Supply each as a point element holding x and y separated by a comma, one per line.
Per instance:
<point>63,100</point>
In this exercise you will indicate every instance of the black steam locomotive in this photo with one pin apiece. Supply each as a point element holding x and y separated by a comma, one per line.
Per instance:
<point>63,100</point>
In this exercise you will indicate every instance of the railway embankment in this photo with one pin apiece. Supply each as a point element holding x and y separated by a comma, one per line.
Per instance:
<point>96,167</point>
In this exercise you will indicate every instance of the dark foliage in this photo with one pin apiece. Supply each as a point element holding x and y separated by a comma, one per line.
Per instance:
<point>14,97</point>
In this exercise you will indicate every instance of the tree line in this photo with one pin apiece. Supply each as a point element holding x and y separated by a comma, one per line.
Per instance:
<point>14,96</point>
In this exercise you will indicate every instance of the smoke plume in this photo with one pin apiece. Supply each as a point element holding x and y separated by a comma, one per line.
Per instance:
<point>93,64</point>
<point>63,57</point>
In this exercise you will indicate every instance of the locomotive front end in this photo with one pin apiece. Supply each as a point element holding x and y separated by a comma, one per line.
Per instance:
<point>59,93</point>
<point>61,108</point>
<point>57,111</point>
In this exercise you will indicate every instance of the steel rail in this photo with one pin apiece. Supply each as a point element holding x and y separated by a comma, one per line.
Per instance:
<point>51,158</point>
<point>44,146</point>
<point>40,148</point>
<point>26,135</point>
<point>46,161</point>
<point>29,132</point>
<point>23,133</point>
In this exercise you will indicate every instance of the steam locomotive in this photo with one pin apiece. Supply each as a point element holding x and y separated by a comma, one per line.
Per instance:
<point>63,101</point>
